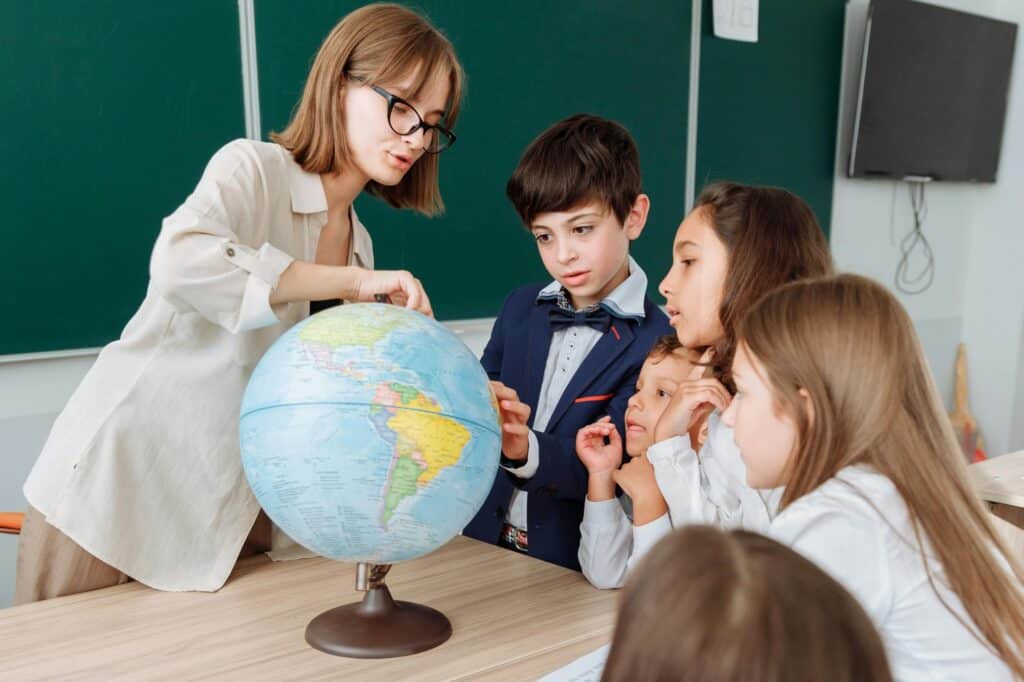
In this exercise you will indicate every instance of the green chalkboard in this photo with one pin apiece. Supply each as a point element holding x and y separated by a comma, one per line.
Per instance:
<point>768,109</point>
<point>110,111</point>
<point>528,65</point>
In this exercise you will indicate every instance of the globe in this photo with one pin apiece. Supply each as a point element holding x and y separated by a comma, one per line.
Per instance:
<point>369,433</point>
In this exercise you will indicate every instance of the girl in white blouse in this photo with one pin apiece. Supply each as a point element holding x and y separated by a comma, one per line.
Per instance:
<point>835,402</point>
<point>141,475</point>
<point>738,243</point>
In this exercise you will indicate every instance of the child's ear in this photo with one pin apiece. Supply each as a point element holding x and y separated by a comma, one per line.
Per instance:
<point>637,216</point>
<point>808,405</point>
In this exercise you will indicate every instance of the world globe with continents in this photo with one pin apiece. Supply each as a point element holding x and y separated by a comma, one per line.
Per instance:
<point>369,433</point>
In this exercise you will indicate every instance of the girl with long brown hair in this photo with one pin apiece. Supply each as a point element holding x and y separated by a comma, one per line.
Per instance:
<point>739,242</point>
<point>141,476</point>
<point>836,403</point>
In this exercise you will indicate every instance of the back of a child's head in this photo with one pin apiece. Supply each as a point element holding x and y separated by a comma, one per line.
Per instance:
<point>738,607</point>
<point>772,238</point>
<point>580,159</point>
<point>844,363</point>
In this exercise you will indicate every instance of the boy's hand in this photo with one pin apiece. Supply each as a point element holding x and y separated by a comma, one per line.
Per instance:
<point>515,441</point>
<point>592,451</point>
<point>601,460</point>
<point>636,477</point>
<point>692,402</point>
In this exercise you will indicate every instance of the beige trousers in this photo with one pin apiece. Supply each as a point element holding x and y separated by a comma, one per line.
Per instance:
<point>50,564</point>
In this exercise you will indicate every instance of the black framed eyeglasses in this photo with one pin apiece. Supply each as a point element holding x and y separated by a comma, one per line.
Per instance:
<point>405,120</point>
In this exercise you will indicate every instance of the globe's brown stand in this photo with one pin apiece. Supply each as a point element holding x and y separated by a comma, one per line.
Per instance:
<point>377,627</point>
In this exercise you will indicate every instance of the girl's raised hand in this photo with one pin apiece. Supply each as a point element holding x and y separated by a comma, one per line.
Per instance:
<point>693,400</point>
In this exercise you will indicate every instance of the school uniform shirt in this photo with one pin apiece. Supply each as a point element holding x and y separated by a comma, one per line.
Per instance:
<point>142,468</point>
<point>569,348</point>
<point>857,528</point>
<point>707,487</point>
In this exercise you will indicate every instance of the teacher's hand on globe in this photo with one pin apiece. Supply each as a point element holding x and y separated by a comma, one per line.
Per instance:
<point>302,281</point>
<point>404,289</point>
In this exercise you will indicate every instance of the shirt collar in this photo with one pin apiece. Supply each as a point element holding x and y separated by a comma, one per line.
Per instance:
<point>307,191</point>
<point>626,300</point>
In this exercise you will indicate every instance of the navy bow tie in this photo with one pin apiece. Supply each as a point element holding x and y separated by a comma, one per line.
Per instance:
<point>596,318</point>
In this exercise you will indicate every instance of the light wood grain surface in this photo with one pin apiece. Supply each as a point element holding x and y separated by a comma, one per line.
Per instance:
<point>513,618</point>
<point>1000,479</point>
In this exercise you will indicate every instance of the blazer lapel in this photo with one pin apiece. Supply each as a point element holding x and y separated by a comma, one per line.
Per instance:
<point>613,344</point>
<point>538,341</point>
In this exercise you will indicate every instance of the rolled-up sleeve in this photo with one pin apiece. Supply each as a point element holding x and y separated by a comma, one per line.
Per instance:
<point>710,487</point>
<point>212,256</point>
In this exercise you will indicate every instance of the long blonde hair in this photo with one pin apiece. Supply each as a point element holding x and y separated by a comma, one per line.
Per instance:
<point>851,346</point>
<point>738,606</point>
<point>377,43</point>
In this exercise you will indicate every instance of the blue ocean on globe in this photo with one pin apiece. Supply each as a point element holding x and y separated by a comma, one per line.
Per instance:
<point>370,433</point>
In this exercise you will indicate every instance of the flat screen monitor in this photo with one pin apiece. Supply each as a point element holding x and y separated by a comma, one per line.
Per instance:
<point>932,96</point>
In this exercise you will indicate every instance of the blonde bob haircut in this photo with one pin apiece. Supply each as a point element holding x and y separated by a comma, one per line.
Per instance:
<point>379,43</point>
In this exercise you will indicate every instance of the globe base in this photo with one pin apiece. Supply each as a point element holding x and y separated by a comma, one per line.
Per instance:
<point>378,627</point>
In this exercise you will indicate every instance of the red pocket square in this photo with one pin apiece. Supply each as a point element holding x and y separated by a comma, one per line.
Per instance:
<point>594,398</point>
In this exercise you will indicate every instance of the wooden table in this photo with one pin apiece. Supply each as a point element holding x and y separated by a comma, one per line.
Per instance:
<point>513,618</point>
<point>1000,482</point>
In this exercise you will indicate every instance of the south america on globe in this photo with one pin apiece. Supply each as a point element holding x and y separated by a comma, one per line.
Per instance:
<point>369,433</point>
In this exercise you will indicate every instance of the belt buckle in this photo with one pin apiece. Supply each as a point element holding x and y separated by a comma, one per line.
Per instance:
<point>515,537</point>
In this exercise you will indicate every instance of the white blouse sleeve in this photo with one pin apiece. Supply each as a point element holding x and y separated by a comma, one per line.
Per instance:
<point>610,546</point>
<point>212,256</point>
<point>710,487</point>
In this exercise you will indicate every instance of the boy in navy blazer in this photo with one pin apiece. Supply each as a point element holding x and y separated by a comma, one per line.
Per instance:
<point>564,354</point>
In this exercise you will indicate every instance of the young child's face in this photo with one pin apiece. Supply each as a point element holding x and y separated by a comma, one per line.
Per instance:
<point>766,439</point>
<point>586,249</point>
<point>693,286</point>
<point>659,379</point>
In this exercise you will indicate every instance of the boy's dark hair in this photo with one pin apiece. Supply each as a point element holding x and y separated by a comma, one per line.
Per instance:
<point>663,347</point>
<point>581,158</point>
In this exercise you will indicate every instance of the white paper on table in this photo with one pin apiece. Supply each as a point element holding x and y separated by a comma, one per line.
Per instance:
<point>736,19</point>
<point>586,668</point>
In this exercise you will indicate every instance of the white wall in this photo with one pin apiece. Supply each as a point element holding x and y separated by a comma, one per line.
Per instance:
<point>994,296</point>
<point>976,234</point>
